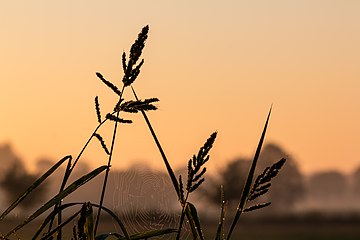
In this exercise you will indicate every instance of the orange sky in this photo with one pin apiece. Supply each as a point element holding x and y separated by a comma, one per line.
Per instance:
<point>214,65</point>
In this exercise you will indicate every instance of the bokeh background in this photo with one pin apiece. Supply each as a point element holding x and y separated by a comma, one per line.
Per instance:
<point>214,65</point>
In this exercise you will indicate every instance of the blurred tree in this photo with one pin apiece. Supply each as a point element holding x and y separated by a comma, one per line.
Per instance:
<point>234,177</point>
<point>356,182</point>
<point>286,190</point>
<point>288,187</point>
<point>15,179</point>
<point>327,186</point>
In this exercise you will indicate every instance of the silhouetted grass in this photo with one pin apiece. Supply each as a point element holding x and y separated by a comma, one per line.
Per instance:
<point>89,214</point>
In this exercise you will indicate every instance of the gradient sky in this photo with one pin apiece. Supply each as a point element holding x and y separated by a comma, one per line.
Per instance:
<point>214,65</point>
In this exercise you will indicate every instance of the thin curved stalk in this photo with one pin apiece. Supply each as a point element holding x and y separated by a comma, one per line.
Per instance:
<point>70,168</point>
<point>182,216</point>
<point>68,205</point>
<point>49,234</point>
<point>109,165</point>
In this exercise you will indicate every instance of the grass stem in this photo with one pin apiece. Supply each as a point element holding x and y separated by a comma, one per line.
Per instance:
<point>109,165</point>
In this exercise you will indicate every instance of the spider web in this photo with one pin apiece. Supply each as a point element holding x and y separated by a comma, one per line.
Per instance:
<point>145,200</point>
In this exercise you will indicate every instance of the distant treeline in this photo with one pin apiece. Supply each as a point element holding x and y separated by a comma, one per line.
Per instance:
<point>141,189</point>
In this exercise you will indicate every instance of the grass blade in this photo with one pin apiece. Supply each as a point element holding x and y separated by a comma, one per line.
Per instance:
<point>75,185</point>
<point>49,234</point>
<point>186,211</point>
<point>116,218</point>
<point>34,186</point>
<point>167,164</point>
<point>152,233</point>
<point>68,205</point>
<point>249,180</point>
<point>104,236</point>
<point>220,230</point>
<point>51,216</point>
<point>168,167</point>
<point>195,219</point>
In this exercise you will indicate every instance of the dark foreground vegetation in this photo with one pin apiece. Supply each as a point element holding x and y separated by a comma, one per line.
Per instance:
<point>62,219</point>
<point>280,228</point>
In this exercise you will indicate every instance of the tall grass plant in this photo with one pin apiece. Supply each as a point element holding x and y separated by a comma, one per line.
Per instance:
<point>86,216</point>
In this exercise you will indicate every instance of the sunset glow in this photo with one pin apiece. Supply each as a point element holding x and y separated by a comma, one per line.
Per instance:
<point>214,65</point>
